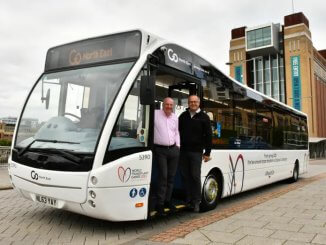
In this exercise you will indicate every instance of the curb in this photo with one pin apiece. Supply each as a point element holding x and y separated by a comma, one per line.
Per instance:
<point>2,188</point>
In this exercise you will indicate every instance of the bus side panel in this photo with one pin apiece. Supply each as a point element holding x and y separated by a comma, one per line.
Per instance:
<point>63,186</point>
<point>120,188</point>
<point>303,165</point>
<point>130,170</point>
<point>247,169</point>
<point>119,203</point>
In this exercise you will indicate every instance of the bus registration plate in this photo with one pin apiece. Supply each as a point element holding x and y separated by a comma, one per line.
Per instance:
<point>46,200</point>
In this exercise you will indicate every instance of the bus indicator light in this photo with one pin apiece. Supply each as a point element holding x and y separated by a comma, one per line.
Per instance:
<point>94,180</point>
<point>92,194</point>
<point>92,203</point>
<point>139,204</point>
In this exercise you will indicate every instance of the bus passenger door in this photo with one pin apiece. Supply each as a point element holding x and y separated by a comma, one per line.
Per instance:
<point>178,86</point>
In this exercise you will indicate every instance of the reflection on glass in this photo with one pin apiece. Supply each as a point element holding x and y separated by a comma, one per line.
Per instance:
<point>78,103</point>
<point>259,37</point>
<point>267,75</point>
<point>274,74</point>
<point>131,128</point>
<point>267,89</point>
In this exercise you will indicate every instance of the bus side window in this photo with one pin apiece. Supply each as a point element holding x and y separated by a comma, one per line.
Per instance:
<point>220,111</point>
<point>279,141</point>
<point>264,122</point>
<point>244,122</point>
<point>304,133</point>
<point>130,133</point>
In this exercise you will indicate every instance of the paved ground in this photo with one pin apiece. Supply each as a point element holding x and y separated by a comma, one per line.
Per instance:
<point>4,179</point>
<point>276,214</point>
<point>297,217</point>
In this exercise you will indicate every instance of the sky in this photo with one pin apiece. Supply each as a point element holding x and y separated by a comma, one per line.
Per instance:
<point>29,28</point>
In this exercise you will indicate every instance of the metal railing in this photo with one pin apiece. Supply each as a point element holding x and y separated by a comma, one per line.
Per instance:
<point>4,155</point>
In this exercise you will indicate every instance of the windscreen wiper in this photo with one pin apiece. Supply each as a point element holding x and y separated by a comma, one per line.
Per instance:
<point>65,154</point>
<point>23,150</point>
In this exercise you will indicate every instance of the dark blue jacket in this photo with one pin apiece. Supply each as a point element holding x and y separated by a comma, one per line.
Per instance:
<point>195,132</point>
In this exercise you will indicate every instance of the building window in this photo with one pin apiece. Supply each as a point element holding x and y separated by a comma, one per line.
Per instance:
<point>275,78</point>
<point>259,38</point>
<point>259,75</point>
<point>281,76</point>
<point>267,76</point>
<point>251,77</point>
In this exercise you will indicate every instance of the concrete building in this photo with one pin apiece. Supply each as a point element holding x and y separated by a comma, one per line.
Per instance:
<point>7,128</point>
<point>280,60</point>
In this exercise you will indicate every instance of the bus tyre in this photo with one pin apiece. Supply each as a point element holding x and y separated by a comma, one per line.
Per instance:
<point>295,175</point>
<point>211,193</point>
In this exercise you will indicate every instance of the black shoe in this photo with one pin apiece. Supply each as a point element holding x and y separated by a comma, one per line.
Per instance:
<point>196,207</point>
<point>171,206</point>
<point>160,210</point>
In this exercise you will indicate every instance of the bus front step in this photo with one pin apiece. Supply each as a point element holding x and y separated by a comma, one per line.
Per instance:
<point>167,210</point>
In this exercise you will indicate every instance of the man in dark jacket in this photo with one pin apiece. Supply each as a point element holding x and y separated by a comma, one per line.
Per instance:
<point>195,136</point>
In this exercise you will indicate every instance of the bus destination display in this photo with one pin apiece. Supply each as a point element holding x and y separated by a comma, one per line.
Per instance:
<point>108,48</point>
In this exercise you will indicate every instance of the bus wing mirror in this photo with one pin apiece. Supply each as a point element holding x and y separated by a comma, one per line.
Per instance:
<point>46,99</point>
<point>147,85</point>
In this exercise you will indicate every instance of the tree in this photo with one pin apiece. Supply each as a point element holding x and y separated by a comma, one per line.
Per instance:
<point>5,142</point>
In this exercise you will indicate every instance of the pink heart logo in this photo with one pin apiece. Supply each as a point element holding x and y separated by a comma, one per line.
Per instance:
<point>124,174</point>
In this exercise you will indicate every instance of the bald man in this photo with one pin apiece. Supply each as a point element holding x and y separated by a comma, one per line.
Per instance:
<point>196,144</point>
<point>166,153</point>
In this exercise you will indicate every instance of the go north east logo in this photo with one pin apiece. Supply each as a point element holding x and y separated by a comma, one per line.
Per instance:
<point>173,56</point>
<point>124,174</point>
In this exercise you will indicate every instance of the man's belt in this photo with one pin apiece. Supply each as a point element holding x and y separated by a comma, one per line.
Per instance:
<point>165,146</point>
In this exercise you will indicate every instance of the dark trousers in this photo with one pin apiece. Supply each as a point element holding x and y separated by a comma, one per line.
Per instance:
<point>166,160</point>
<point>190,166</point>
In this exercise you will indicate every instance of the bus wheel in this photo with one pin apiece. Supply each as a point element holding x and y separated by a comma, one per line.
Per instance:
<point>211,193</point>
<point>295,175</point>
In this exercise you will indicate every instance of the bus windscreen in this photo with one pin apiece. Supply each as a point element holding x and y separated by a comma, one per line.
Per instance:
<point>95,50</point>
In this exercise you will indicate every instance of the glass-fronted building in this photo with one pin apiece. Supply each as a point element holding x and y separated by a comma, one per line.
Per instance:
<point>279,60</point>
<point>264,61</point>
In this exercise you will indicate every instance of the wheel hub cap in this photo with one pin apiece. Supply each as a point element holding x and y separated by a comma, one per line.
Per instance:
<point>211,190</point>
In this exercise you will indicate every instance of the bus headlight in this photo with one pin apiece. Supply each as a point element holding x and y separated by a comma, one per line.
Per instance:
<point>92,203</point>
<point>94,180</point>
<point>92,194</point>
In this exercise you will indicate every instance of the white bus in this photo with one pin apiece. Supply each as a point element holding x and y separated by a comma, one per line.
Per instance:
<point>84,138</point>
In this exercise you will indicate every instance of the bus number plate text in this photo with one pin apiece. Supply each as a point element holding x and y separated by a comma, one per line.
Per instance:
<point>46,200</point>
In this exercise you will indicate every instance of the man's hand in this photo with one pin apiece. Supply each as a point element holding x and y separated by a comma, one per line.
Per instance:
<point>206,158</point>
